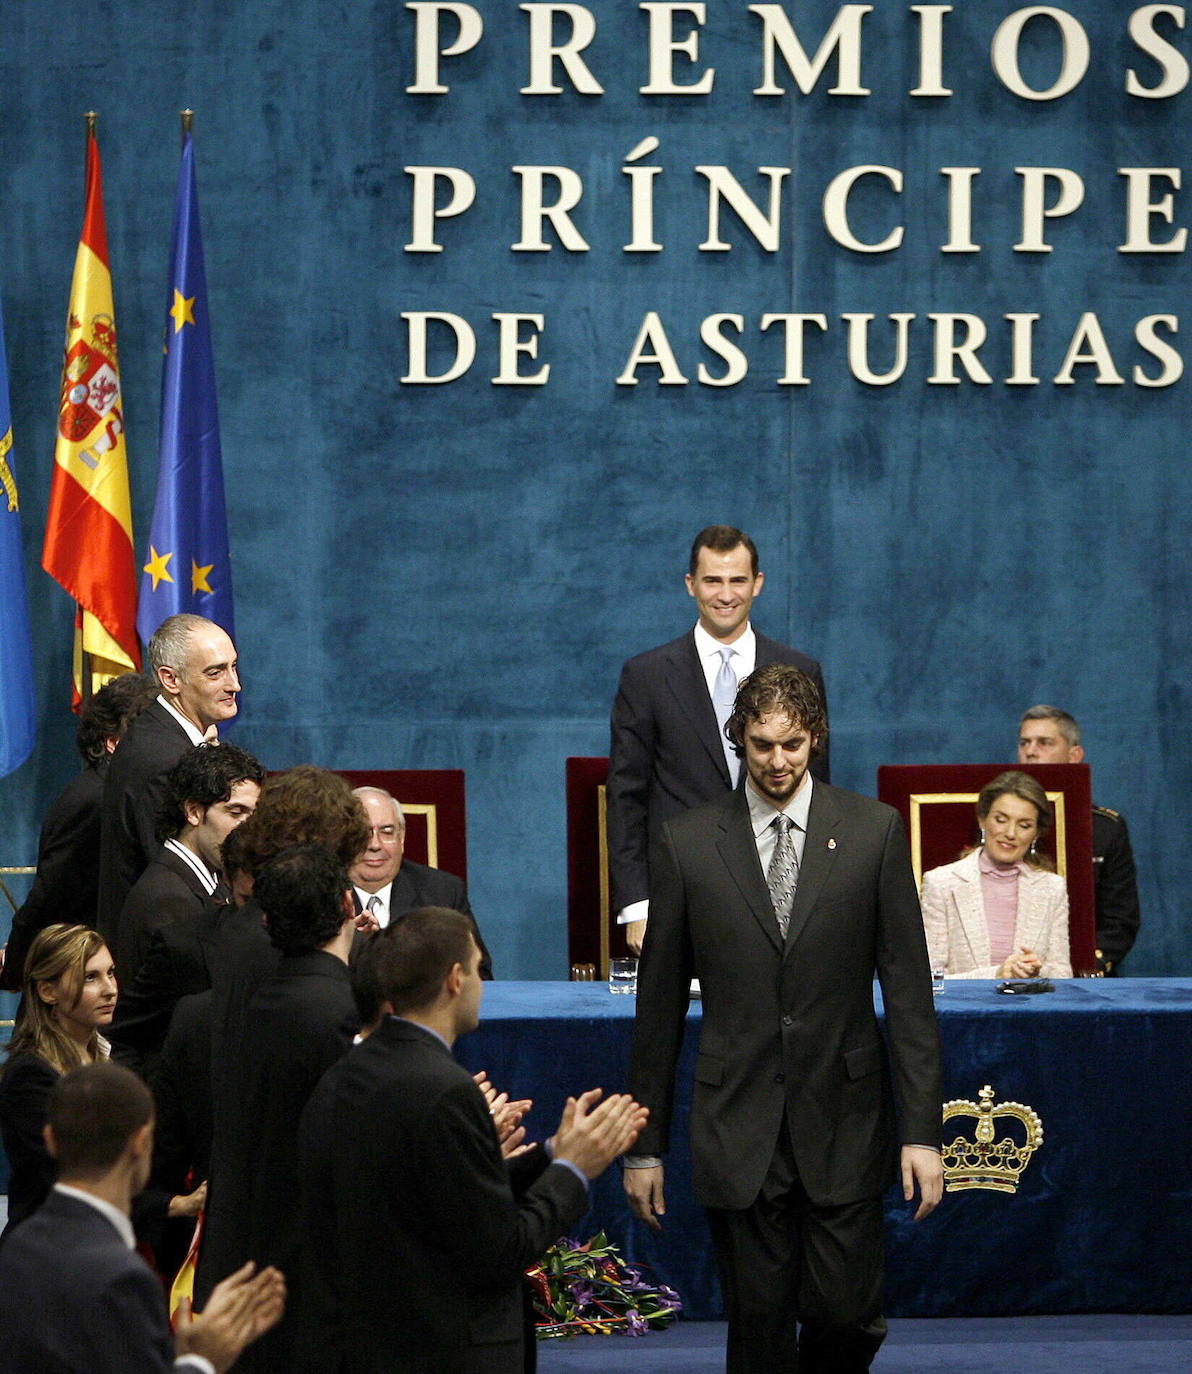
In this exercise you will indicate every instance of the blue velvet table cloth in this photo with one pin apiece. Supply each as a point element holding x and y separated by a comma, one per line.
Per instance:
<point>1102,1220</point>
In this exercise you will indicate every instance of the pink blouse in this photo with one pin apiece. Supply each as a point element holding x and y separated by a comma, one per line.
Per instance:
<point>999,896</point>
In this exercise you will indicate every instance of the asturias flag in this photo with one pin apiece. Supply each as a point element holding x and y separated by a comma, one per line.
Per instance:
<point>187,566</point>
<point>16,658</point>
<point>88,544</point>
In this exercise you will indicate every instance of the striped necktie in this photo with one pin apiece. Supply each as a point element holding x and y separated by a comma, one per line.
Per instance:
<point>782,876</point>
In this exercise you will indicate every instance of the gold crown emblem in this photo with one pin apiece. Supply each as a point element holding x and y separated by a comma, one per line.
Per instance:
<point>982,1161</point>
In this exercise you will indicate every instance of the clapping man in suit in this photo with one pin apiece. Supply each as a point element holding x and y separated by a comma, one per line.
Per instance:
<point>194,662</point>
<point>668,750</point>
<point>416,1230</point>
<point>74,1294</point>
<point>387,884</point>
<point>786,899</point>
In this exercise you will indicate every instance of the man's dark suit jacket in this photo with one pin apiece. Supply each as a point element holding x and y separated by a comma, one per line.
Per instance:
<point>295,1025</point>
<point>67,869</point>
<point>169,890</point>
<point>1115,887</point>
<point>789,1027</point>
<point>25,1088</point>
<point>133,792</point>
<point>181,958</point>
<point>415,1240</point>
<point>74,1297</point>
<point>666,753</point>
<point>419,885</point>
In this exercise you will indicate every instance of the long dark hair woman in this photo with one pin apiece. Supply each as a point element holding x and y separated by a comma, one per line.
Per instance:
<point>68,996</point>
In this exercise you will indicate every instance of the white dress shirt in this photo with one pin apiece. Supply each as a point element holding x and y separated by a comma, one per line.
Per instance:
<point>382,910</point>
<point>193,733</point>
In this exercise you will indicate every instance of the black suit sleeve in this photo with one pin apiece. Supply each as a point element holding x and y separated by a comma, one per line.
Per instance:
<point>664,990</point>
<point>1116,892</point>
<point>143,1011</point>
<point>67,871</point>
<point>484,1235</point>
<point>632,742</point>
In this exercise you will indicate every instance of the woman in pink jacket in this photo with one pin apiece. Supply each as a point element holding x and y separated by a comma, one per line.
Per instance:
<point>998,912</point>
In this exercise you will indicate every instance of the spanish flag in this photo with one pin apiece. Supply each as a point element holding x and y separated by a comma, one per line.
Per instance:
<point>88,544</point>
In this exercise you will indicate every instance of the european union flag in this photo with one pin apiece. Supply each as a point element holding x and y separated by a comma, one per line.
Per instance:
<point>187,567</point>
<point>17,719</point>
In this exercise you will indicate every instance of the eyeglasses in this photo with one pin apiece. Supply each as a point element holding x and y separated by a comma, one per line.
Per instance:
<point>385,834</point>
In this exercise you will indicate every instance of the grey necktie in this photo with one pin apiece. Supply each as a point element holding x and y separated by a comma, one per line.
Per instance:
<point>724,693</point>
<point>782,876</point>
<point>373,907</point>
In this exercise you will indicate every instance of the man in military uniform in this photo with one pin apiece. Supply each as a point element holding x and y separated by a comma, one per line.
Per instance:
<point>1049,735</point>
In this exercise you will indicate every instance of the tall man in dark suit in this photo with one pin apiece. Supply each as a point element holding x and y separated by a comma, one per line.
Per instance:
<point>194,662</point>
<point>209,792</point>
<point>386,883</point>
<point>274,1049</point>
<point>1048,735</point>
<point>74,1294</point>
<point>67,880</point>
<point>416,1231</point>
<point>668,750</point>
<point>785,899</point>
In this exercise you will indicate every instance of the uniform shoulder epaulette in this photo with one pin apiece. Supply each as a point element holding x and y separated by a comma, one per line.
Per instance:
<point>1105,811</point>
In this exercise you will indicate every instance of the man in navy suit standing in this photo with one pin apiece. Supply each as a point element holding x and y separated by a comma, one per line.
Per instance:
<point>74,1294</point>
<point>668,749</point>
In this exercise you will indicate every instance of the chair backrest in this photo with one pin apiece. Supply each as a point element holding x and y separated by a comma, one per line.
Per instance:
<point>591,936</point>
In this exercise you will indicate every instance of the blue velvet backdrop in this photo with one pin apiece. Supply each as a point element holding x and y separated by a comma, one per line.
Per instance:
<point>451,575</point>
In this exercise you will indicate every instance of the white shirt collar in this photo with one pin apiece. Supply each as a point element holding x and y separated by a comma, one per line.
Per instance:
<point>743,647</point>
<point>192,860</point>
<point>113,1214</point>
<point>762,810</point>
<point>194,734</point>
<point>385,911</point>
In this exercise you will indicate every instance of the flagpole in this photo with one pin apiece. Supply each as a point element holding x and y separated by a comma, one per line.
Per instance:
<point>86,682</point>
<point>188,119</point>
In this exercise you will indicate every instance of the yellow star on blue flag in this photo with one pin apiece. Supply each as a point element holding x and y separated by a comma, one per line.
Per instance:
<point>189,517</point>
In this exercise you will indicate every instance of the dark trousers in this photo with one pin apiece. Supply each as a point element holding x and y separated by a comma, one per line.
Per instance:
<point>802,1284</point>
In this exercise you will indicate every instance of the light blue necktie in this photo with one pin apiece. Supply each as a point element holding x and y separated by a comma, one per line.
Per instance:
<point>724,693</point>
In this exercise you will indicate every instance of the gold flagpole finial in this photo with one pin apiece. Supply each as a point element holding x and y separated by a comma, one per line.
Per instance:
<point>188,119</point>
<point>92,119</point>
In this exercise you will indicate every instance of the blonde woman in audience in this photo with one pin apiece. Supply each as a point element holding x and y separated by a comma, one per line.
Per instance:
<point>999,912</point>
<point>68,997</point>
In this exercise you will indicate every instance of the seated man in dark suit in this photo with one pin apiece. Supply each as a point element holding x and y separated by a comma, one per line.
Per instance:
<point>388,884</point>
<point>273,1050</point>
<point>209,791</point>
<point>64,889</point>
<point>74,1294</point>
<point>194,663</point>
<point>416,1232</point>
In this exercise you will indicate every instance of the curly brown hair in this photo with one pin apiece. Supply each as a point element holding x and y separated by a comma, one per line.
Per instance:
<point>777,687</point>
<point>304,805</point>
